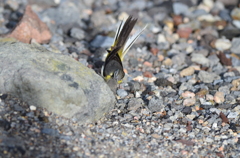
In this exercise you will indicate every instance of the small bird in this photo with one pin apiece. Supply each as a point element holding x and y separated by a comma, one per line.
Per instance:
<point>112,70</point>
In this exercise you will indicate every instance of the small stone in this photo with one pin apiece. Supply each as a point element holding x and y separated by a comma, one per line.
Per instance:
<point>186,142</point>
<point>167,62</point>
<point>160,57</point>
<point>224,89</point>
<point>209,18</point>
<point>224,60</point>
<point>236,23</point>
<point>146,63</point>
<point>216,82</point>
<point>235,45</point>
<point>182,130</point>
<point>156,136</point>
<point>161,39</point>
<point>207,77</point>
<point>202,93</point>
<point>189,49</point>
<point>188,94</point>
<point>102,41</point>
<point>200,59</point>
<point>219,97</point>
<point>163,82</point>
<point>177,20</point>
<point>179,59</point>
<point>154,51</point>
<point>217,111</point>
<point>122,93</point>
<point>33,108</point>
<point>189,101</point>
<point>222,44</point>
<point>209,97</point>
<point>133,62</point>
<point>156,104</point>
<point>77,33</point>
<point>233,115</point>
<point>214,125</point>
<point>235,14</point>
<point>168,126</point>
<point>147,74</point>
<point>156,29</point>
<point>180,8</point>
<point>187,72</point>
<point>187,110</point>
<point>204,103</point>
<point>220,24</point>
<point>135,103</point>
<point>191,116</point>
<point>185,86</point>
<point>235,84</point>
<point>224,118</point>
<point>184,32</point>
<point>208,3</point>
<point>209,140</point>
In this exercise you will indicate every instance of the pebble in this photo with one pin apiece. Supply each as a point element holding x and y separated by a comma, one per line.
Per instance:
<point>188,94</point>
<point>184,32</point>
<point>222,44</point>
<point>233,115</point>
<point>180,8</point>
<point>189,101</point>
<point>155,105</point>
<point>236,23</point>
<point>225,15</point>
<point>179,59</point>
<point>122,93</point>
<point>167,62</point>
<point>186,100</point>
<point>191,117</point>
<point>207,77</point>
<point>209,18</point>
<point>235,45</point>
<point>187,72</point>
<point>200,59</point>
<point>209,97</point>
<point>77,33</point>
<point>187,110</point>
<point>32,107</point>
<point>209,140</point>
<point>219,97</point>
<point>235,14</point>
<point>235,84</point>
<point>102,41</point>
<point>161,38</point>
<point>224,89</point>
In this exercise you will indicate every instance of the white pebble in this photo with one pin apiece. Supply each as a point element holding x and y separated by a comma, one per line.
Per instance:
<point>232,115</point>
<point>33,108</point>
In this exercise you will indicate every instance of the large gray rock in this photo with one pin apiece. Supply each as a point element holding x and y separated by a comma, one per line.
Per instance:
<point>53,81</point>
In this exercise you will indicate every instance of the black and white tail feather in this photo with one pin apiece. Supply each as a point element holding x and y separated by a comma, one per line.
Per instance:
<point>113,68</point>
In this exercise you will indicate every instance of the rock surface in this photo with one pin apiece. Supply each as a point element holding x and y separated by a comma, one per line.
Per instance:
<point>53,81</point>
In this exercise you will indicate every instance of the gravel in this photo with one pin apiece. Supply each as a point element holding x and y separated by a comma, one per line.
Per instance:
<point>180,95</point>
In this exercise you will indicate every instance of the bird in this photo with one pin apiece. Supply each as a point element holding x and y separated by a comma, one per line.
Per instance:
<point>112,70</point>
